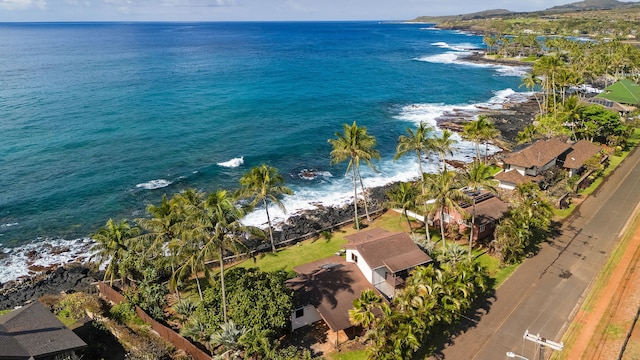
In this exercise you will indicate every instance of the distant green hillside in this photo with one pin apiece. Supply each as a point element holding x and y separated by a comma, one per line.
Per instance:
<point>586,5</point>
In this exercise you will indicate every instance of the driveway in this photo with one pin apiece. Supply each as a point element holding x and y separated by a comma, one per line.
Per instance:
<point>543,295</point>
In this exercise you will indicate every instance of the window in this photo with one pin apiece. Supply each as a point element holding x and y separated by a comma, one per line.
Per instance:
<point>354,257</point>
<point>483,227</point>
<point>299,313</point>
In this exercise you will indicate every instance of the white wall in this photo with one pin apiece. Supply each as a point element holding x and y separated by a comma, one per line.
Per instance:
<point>362,265</point>
<point>310,315</point>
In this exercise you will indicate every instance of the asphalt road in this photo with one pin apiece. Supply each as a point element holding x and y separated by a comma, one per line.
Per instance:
<point>543,295</point>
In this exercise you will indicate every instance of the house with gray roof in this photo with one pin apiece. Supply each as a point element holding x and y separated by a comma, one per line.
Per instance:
<point>32,332</point>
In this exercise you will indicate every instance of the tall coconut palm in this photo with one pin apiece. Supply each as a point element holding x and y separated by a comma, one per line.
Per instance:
<point>419,141</point>
<point>488,132</point>
<point>444,190</point>
<point>113,245</point>
<point>160,233</point>
<point>477,177</point>
<point>444,145</point>
<point>190,209</point>
<point>403,196</point>
<point>480,130</point>
<point>355,145</point>
<point>264,185</point>
<point>530,81</point>
<point>222,231</point>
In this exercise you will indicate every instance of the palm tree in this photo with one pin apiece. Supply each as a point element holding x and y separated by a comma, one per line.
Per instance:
<point>362,312</point>
<point>160,232</point>
<point>220,227</point>
<point>480,130</point>
<point>444,189</point>
<point>403,196</point>
<point>264,184</point>
<point>488,132</point>
<point>356,145</point>
<point>529,82</point>
<point>477,177</point>
<point>444,145</point>
<point>418,141</point>
<point>527,135</point>
<point>113,244</point>
<point>190,240</point>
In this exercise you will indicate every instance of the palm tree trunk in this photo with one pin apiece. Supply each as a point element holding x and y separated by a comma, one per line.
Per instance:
<point>408,221</point>
<point>199,287</point>
<point>364,195</point>
<point>473,225</point>
<point>444,245</point>
<point>224,295</point>
<point>355,198</point>
<point>273,244</point>
<point>419,154</point>
<point>486,151</point>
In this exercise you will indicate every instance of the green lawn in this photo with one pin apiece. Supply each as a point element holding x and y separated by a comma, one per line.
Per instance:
<point>301,253</point>
<point>351,355</point>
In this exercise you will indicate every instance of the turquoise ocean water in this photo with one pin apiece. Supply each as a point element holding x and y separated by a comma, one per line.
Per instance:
<point>97,120</point>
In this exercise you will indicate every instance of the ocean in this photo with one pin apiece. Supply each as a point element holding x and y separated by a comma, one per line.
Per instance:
<point>98,120</point>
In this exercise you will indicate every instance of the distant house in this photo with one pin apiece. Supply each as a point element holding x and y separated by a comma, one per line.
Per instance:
<point>623,97</point>
<point>530,162</point>
<point>375,259</point>
<point>489,211</point>
<point>33,332</point>
<point>542,155</point>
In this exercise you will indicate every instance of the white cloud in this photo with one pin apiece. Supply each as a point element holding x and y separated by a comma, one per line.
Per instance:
<point>23,4</point>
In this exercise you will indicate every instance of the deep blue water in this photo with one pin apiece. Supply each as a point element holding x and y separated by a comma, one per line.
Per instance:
<point>99,119</point>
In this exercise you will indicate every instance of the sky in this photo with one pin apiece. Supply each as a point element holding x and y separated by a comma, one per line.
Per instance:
<point>250,10</point>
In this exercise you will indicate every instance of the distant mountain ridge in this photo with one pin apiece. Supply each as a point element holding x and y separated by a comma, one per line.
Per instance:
<point>594,5</point>
<point>575,6</point>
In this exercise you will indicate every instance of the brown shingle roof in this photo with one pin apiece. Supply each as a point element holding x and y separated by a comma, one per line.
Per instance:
<point>394,250</point>
<point>513,177</point>
<point>580,152</point>
<point>538,154</point>
<point>33,331</point>
<point>330,285</point>
<point>491,209</point>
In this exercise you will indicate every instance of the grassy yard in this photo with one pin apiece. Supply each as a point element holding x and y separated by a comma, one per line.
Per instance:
<point>351,355</point>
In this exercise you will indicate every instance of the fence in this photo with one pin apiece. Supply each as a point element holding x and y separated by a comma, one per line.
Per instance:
<point>164,332</point>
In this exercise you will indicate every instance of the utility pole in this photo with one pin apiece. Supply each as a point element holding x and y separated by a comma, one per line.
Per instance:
<point>542,342</point>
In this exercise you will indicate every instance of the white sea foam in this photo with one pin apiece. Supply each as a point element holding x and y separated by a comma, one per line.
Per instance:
<point>456,56</point>
<point>15,262</point>
<point>8,225</point>
<point>233,163</point>
<point>338,191</point>
<point>431,28</point>
<point>154,184</point>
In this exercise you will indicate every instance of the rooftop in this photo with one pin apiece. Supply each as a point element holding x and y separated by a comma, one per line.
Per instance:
<point>539,154</point>
<point>33,331</point>
<point>624,91</point>
<point>380,248</point>
<point>581,151</point>
<point>330,285</point>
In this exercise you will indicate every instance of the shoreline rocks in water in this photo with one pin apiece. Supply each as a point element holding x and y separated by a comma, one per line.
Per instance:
<point>62,279</point>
